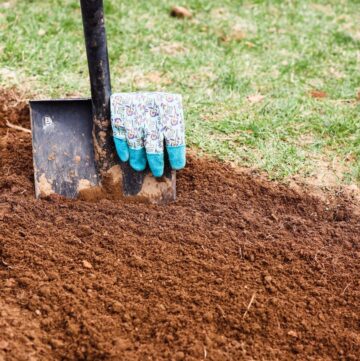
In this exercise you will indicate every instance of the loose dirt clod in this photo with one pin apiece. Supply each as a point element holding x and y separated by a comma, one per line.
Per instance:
<point>318,94</point>
<point>180,12</point>
<point>175,281</point>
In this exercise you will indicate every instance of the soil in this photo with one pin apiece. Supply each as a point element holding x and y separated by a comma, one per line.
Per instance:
<point>239,268</point>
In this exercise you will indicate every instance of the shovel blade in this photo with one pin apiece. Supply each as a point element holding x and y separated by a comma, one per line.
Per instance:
<point>64,158</point>
<point>63,151</point>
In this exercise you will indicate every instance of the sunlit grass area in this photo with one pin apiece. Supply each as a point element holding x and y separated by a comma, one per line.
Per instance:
<point>271,85</point>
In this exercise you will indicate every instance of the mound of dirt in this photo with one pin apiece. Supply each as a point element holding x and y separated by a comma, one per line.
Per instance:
<point>237,269</point>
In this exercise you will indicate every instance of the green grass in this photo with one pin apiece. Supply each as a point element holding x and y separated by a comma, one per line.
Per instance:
<point>290,48</point>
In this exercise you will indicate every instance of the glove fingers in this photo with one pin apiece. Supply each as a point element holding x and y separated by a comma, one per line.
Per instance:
<point>154,144</point>
<point>174,132</point>
<point>177,156</point>
<point>137,159</point>
<point>135,140</point>
<point>156,164</point>
<point>122,149</point>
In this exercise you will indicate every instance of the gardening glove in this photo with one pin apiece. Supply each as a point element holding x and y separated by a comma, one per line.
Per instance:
<point>141,122</point>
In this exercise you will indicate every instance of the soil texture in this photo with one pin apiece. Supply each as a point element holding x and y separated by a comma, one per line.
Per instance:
<point>239,268</point>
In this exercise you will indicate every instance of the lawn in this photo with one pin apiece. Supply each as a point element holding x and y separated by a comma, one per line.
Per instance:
<point>272,85</point>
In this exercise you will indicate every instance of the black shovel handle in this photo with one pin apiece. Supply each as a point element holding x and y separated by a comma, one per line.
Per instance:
<point>99,71</point>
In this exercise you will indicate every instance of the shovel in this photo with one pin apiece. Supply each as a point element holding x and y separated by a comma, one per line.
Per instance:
<point>73,149</point>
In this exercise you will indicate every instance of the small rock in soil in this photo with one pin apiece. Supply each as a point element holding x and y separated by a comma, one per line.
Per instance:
<point>179,356</point>
<point>268,279</point>
<point>116,307</point>
<point>87,264</point>
<point>293,334</point>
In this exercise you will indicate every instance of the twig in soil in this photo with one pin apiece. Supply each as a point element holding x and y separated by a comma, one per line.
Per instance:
<point>249,305</point>
<point>17,127</point>
<point>6,264</point>
<point>221,310</point>
<point>346,287</point>
<point>205,353</point>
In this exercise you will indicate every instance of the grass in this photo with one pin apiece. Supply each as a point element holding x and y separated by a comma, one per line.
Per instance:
<point>224,60</point>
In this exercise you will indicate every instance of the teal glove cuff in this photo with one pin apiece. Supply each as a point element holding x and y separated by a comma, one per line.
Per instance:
<point>177,156</point>
<point>138,159</point>
<point>156,164</point>
<point>177,159</point>
<point>122,149</point>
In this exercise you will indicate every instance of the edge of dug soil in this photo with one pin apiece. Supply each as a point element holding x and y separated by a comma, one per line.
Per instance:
<point>330,194</point>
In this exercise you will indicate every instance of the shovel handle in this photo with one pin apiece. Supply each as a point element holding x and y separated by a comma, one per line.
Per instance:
<point>134,183</point>
<point>99,71</point>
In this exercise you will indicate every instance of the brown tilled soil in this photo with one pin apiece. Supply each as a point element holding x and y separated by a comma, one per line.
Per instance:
<point>237,269</point>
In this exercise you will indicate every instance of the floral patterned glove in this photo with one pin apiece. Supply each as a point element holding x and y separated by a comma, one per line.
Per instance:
<point>141,122</point>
